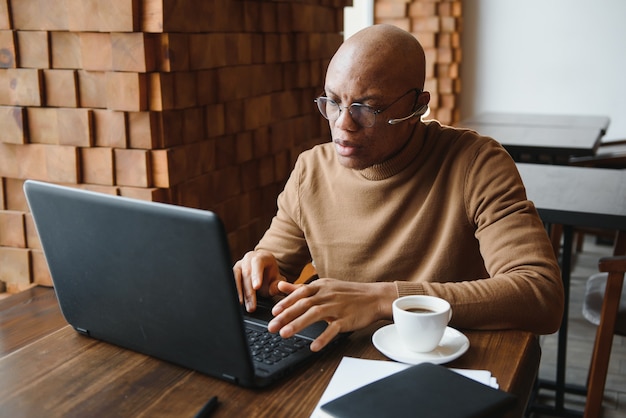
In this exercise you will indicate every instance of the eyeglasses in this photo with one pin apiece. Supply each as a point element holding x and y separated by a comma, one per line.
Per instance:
<point>362,114</point>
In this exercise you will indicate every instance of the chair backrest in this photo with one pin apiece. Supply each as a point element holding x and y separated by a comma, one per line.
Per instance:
<point>615,267</point>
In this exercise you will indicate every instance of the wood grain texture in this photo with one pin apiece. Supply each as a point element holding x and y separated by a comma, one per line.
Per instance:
<point>49,369</point>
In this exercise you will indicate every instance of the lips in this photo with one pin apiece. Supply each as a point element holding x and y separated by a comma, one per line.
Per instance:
<point>346,149</point>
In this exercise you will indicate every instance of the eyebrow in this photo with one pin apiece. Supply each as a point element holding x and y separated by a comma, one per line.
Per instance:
<point>361,100</point>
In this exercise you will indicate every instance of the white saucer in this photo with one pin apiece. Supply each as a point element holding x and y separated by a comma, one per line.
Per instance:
<point>452,346</point>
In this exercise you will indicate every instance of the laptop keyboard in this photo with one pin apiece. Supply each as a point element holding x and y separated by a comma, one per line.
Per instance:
<point>268,348</point>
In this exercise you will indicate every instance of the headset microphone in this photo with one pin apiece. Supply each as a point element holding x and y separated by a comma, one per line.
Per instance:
<point>419,112</point>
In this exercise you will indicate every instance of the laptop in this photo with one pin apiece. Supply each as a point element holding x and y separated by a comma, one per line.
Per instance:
<point>157,279</point>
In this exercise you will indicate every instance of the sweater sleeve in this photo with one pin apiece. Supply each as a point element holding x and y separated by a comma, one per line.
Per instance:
<point>524,288</point>
<point>284,238</point>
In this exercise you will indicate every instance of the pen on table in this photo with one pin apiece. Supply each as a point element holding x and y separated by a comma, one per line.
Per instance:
<point>207,408</point>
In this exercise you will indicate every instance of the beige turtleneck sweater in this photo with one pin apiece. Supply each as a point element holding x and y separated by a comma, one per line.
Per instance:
<point>447,216</point>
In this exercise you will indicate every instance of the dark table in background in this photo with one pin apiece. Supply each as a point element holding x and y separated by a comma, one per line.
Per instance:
<point>550,139</point>
<point>574,197</point>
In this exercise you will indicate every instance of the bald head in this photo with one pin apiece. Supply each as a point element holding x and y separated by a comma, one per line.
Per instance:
<point>382,54</point>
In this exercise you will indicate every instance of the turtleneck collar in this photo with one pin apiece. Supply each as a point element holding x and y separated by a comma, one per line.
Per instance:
<point>398,162</point>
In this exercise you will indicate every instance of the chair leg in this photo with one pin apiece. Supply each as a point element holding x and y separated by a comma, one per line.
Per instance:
<point>580,240</point>
<point>619,246</point>
<point>556,232</point>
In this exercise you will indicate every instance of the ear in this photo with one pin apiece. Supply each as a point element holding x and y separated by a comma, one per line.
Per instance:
<point>421,107</point>
<point>423,99</point>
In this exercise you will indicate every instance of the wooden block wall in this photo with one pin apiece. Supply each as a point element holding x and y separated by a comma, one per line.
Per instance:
<point>201,103</point>
<point>437,25</point>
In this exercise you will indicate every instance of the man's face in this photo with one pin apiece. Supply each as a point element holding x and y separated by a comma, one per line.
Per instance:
<point>360,147</point>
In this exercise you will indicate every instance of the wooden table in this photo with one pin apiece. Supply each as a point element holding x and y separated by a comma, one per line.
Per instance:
<point>541,138</point>
<point>574,197</point>
<point>48,369</point>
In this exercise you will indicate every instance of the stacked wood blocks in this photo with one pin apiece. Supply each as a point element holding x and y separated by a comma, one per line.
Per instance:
<point>201,103</point>
<point>437,25</point>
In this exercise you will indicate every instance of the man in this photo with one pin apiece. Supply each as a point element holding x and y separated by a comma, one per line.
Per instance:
<point>396,206</point>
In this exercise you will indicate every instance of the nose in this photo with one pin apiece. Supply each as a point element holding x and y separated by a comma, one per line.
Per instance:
<point>345,120</point>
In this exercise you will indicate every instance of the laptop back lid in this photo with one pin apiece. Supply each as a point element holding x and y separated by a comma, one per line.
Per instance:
<point>151,277</point>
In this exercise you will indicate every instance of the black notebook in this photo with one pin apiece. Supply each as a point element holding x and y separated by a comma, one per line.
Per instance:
<point>425,391</point>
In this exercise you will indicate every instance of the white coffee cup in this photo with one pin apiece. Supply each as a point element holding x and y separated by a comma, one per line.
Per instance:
<point>421,321</point>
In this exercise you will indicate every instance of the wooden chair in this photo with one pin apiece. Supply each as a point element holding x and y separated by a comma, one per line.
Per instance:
<point>610,154</point>
<point>602,307</point>
<point>308,274</point>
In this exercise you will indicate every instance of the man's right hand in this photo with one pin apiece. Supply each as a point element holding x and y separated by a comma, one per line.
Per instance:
<point>256,272</point>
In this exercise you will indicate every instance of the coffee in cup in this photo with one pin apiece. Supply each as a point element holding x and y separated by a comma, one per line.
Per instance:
<point>421,321</point>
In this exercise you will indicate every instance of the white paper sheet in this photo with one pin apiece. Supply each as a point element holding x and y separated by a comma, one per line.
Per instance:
<point>352,373</point>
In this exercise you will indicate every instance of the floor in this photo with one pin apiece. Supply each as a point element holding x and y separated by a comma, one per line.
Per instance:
<point>580,342</point>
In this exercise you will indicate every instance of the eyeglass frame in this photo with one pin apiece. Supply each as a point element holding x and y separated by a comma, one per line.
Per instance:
<point>326,99</point>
